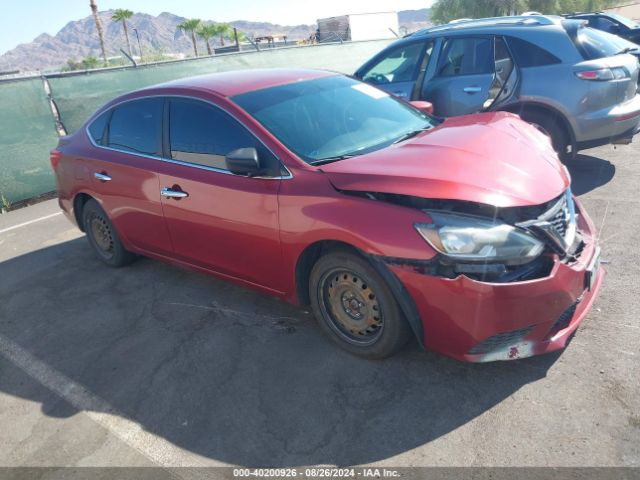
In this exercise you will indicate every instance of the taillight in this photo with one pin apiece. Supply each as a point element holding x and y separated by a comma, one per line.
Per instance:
<point>55,156</point>
<point>604,74</point>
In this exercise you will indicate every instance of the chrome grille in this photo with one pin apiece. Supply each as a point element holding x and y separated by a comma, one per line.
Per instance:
<point>561,216</point>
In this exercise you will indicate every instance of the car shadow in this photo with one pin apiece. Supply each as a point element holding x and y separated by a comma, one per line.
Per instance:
<point>589,172</point>
<point>229,374</point>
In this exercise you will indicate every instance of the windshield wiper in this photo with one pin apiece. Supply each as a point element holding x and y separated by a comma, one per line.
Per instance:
<point>411,134</point>
<point>337,158</point>
<point>627,50</point>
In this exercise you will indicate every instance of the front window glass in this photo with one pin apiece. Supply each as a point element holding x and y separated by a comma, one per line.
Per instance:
<point>604,24</point>
<point>400,65</point>
<point>332,117</point>
<point>202,134</point>
<point>627,22</point>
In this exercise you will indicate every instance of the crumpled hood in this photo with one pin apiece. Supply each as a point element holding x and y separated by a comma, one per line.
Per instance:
<point>491,158</point>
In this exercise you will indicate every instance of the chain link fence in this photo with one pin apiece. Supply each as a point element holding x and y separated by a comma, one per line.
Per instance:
<point>28,127</point>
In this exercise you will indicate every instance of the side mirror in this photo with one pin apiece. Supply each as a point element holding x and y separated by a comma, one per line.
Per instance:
<point>424,107</point>
<point>244,161</point>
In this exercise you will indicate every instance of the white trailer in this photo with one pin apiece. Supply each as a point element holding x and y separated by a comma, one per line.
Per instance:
<point>358,26</point>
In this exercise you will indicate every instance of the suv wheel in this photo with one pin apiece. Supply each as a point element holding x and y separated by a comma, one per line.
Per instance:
<point>354,306</point>
<point>550,126</point>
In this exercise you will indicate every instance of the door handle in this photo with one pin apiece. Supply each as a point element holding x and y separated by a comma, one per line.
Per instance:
<point>170,193</point>
<point>103,177</point>
<point>472,89</point>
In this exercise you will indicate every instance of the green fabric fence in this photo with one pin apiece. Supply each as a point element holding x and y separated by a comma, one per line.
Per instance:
<point>27,133</point>
<point>27,127</point>
<point>78,96</point>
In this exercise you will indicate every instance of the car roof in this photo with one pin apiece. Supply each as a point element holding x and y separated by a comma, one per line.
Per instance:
<point>523,21</point>
<point>235,82</point>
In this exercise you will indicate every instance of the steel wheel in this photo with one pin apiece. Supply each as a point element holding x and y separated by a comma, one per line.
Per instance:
<point>355,307</point>
<point>352,306</point>
<point>102,235</point>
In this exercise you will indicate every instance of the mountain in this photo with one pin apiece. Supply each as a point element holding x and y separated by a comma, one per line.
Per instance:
<point>78,39</point>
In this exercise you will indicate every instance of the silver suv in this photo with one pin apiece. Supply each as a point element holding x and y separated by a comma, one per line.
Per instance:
<point>574,82</point>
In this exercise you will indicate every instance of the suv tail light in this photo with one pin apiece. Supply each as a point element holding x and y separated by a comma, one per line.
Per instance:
<point>604,74</point>
<point>54,157</point>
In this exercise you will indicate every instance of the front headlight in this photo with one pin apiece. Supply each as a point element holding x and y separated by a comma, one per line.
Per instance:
<point>476,239</point>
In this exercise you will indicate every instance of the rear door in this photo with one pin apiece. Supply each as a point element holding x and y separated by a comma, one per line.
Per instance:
<point>123,171</point>
<point>463,76</point>
<point>224,222</point>
<point>396,72</point>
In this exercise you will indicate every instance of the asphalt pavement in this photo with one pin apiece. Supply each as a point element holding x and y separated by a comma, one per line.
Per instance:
<point>154,365</point>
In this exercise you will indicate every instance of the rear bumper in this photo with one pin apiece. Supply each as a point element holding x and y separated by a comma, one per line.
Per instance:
<point>479,322</point>
<point>609,125</point>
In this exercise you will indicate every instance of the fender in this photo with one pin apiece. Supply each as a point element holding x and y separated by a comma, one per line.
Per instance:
<point>543,106</point>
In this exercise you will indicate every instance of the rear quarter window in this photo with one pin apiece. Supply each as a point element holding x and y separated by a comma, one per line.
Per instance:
<point>96,128</point>
<point>528,54</point>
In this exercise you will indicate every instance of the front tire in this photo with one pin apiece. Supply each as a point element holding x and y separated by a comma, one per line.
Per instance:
<point>354,306</point>
<point>102,236</point>
<point>548,124</point>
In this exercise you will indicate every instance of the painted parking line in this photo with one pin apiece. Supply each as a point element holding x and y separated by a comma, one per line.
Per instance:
<point>20,225</point>
<point>156,449</point>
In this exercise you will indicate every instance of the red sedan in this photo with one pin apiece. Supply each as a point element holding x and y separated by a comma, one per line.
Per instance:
<point>322,190</point>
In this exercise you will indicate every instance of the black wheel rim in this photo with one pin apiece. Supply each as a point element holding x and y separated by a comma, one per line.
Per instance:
<point>102,236</point>
<point>351,307</point>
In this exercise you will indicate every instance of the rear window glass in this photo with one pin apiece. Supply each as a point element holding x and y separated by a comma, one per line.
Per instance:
<point>96,129</point>
<point>593,44</point>
<point>529,55</point>
<point>466,56</point>
<point>136,126</point>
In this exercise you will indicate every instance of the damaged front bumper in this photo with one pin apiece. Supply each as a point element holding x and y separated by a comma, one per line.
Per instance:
<point>477,321</point>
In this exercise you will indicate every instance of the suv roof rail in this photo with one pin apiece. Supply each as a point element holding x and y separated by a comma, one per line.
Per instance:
<point>583,13</point>
<point>516,21</point>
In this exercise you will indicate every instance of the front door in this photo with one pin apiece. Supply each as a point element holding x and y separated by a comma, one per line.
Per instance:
<point>217,220</point>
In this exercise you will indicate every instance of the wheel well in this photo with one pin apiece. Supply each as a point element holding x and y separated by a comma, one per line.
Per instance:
<point>313,252</point>
<point>524,108</point>
<point>308,258</point>
<point>78,204</point>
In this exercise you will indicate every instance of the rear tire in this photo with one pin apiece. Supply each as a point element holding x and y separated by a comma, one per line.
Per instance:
<point>354,306</point>
<point>548,124</point>
<point>102,236</point>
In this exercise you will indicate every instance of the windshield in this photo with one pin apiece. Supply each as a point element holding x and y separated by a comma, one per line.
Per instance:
<point>627,22</point>
<point>332,117</point>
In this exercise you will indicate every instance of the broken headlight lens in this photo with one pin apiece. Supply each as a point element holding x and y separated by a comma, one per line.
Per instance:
<point>476,239</point>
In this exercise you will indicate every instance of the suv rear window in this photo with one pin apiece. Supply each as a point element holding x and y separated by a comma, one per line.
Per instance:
<point>527,54</point>
<point>593,44</point>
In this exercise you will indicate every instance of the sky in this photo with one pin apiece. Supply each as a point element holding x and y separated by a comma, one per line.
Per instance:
<point>27,19</point>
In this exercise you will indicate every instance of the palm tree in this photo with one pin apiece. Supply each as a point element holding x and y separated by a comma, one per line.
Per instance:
<point>122,15</point>
<point>191,26</point>
<point>207,32</point>
<point>223,30</point>
<point>96,19</point>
